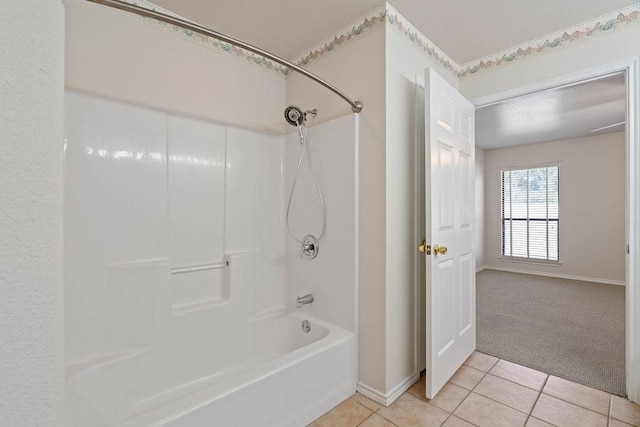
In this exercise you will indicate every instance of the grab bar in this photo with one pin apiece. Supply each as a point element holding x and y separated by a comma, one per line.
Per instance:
<point>202,267</point>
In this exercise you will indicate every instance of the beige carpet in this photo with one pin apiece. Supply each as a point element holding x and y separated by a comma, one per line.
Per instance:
<point>567,328</point>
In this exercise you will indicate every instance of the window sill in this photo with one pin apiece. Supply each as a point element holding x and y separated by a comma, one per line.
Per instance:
<point>530,261</point>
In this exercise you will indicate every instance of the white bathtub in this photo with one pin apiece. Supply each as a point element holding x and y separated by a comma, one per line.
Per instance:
<point>279,376</point>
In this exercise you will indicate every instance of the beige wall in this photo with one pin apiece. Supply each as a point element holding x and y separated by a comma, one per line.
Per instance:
<point>357,68</point>
<point>592,205</point>
<point>31,144</point>
<point>119,55</point>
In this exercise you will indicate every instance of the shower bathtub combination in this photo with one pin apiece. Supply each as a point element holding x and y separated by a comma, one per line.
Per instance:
<point>183,281</point>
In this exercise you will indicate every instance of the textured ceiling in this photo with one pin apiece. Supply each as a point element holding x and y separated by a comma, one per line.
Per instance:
<point>463,29</point>
<point>554,114</point>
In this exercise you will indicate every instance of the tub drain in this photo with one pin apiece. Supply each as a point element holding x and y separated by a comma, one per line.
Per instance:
<point>306,326</point>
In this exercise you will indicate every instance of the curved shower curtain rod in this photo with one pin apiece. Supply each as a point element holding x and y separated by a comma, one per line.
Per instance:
<point>356,106</point>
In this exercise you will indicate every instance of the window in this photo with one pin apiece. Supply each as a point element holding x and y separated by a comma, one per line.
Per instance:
<point>530,213</point>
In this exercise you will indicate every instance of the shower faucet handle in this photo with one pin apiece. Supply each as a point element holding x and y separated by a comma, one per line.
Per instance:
<point>307,248</point>
<point>310,247</point>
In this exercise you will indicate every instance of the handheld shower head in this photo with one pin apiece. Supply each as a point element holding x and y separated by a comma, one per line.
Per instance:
<point>294,115</point>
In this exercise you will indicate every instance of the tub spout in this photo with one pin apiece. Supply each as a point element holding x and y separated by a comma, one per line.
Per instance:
<point>304,300</point>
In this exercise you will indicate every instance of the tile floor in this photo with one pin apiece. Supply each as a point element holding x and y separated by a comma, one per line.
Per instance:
<point>490,392</point>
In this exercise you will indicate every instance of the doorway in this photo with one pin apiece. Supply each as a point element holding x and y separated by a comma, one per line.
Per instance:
<point>554,180</point>
<point>632,211</point>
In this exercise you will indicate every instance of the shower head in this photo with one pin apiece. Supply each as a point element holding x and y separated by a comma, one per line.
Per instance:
<point>294,115</point>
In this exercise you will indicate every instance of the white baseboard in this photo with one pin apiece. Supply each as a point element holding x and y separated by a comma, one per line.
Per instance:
<point>389,398</point>
<point>372,394</point>
<point>402,387</point>
<point>479,269</point>
<point>556,275</point>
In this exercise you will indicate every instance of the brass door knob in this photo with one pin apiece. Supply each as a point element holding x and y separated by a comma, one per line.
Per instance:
<point>439,250</point>
<point>424,248</point>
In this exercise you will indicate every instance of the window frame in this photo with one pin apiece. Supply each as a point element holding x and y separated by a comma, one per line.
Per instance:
<point>501,255</point>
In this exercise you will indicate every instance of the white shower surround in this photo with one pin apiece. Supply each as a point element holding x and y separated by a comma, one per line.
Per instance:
<point>148,194</point>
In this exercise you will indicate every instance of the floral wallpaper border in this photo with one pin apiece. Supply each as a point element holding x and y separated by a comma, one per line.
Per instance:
<point>419,40</point>
<point>357,28</point>
<point>602,24</point>
<point>387,14</point>
<point>205,41</point>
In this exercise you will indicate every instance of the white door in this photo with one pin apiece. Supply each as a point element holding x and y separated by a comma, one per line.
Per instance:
<point>450,263</point>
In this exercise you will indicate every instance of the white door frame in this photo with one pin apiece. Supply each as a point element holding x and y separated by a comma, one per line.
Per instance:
<point>632,69</point>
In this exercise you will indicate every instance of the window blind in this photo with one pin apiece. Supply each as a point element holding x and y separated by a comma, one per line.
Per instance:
<point>530,213</point>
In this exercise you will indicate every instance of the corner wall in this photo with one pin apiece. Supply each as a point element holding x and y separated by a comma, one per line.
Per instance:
<point>358,68</point>
<point>592,205</point>
<point>404,61</point>
<point>378,66</point>
<point>31,104</point>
